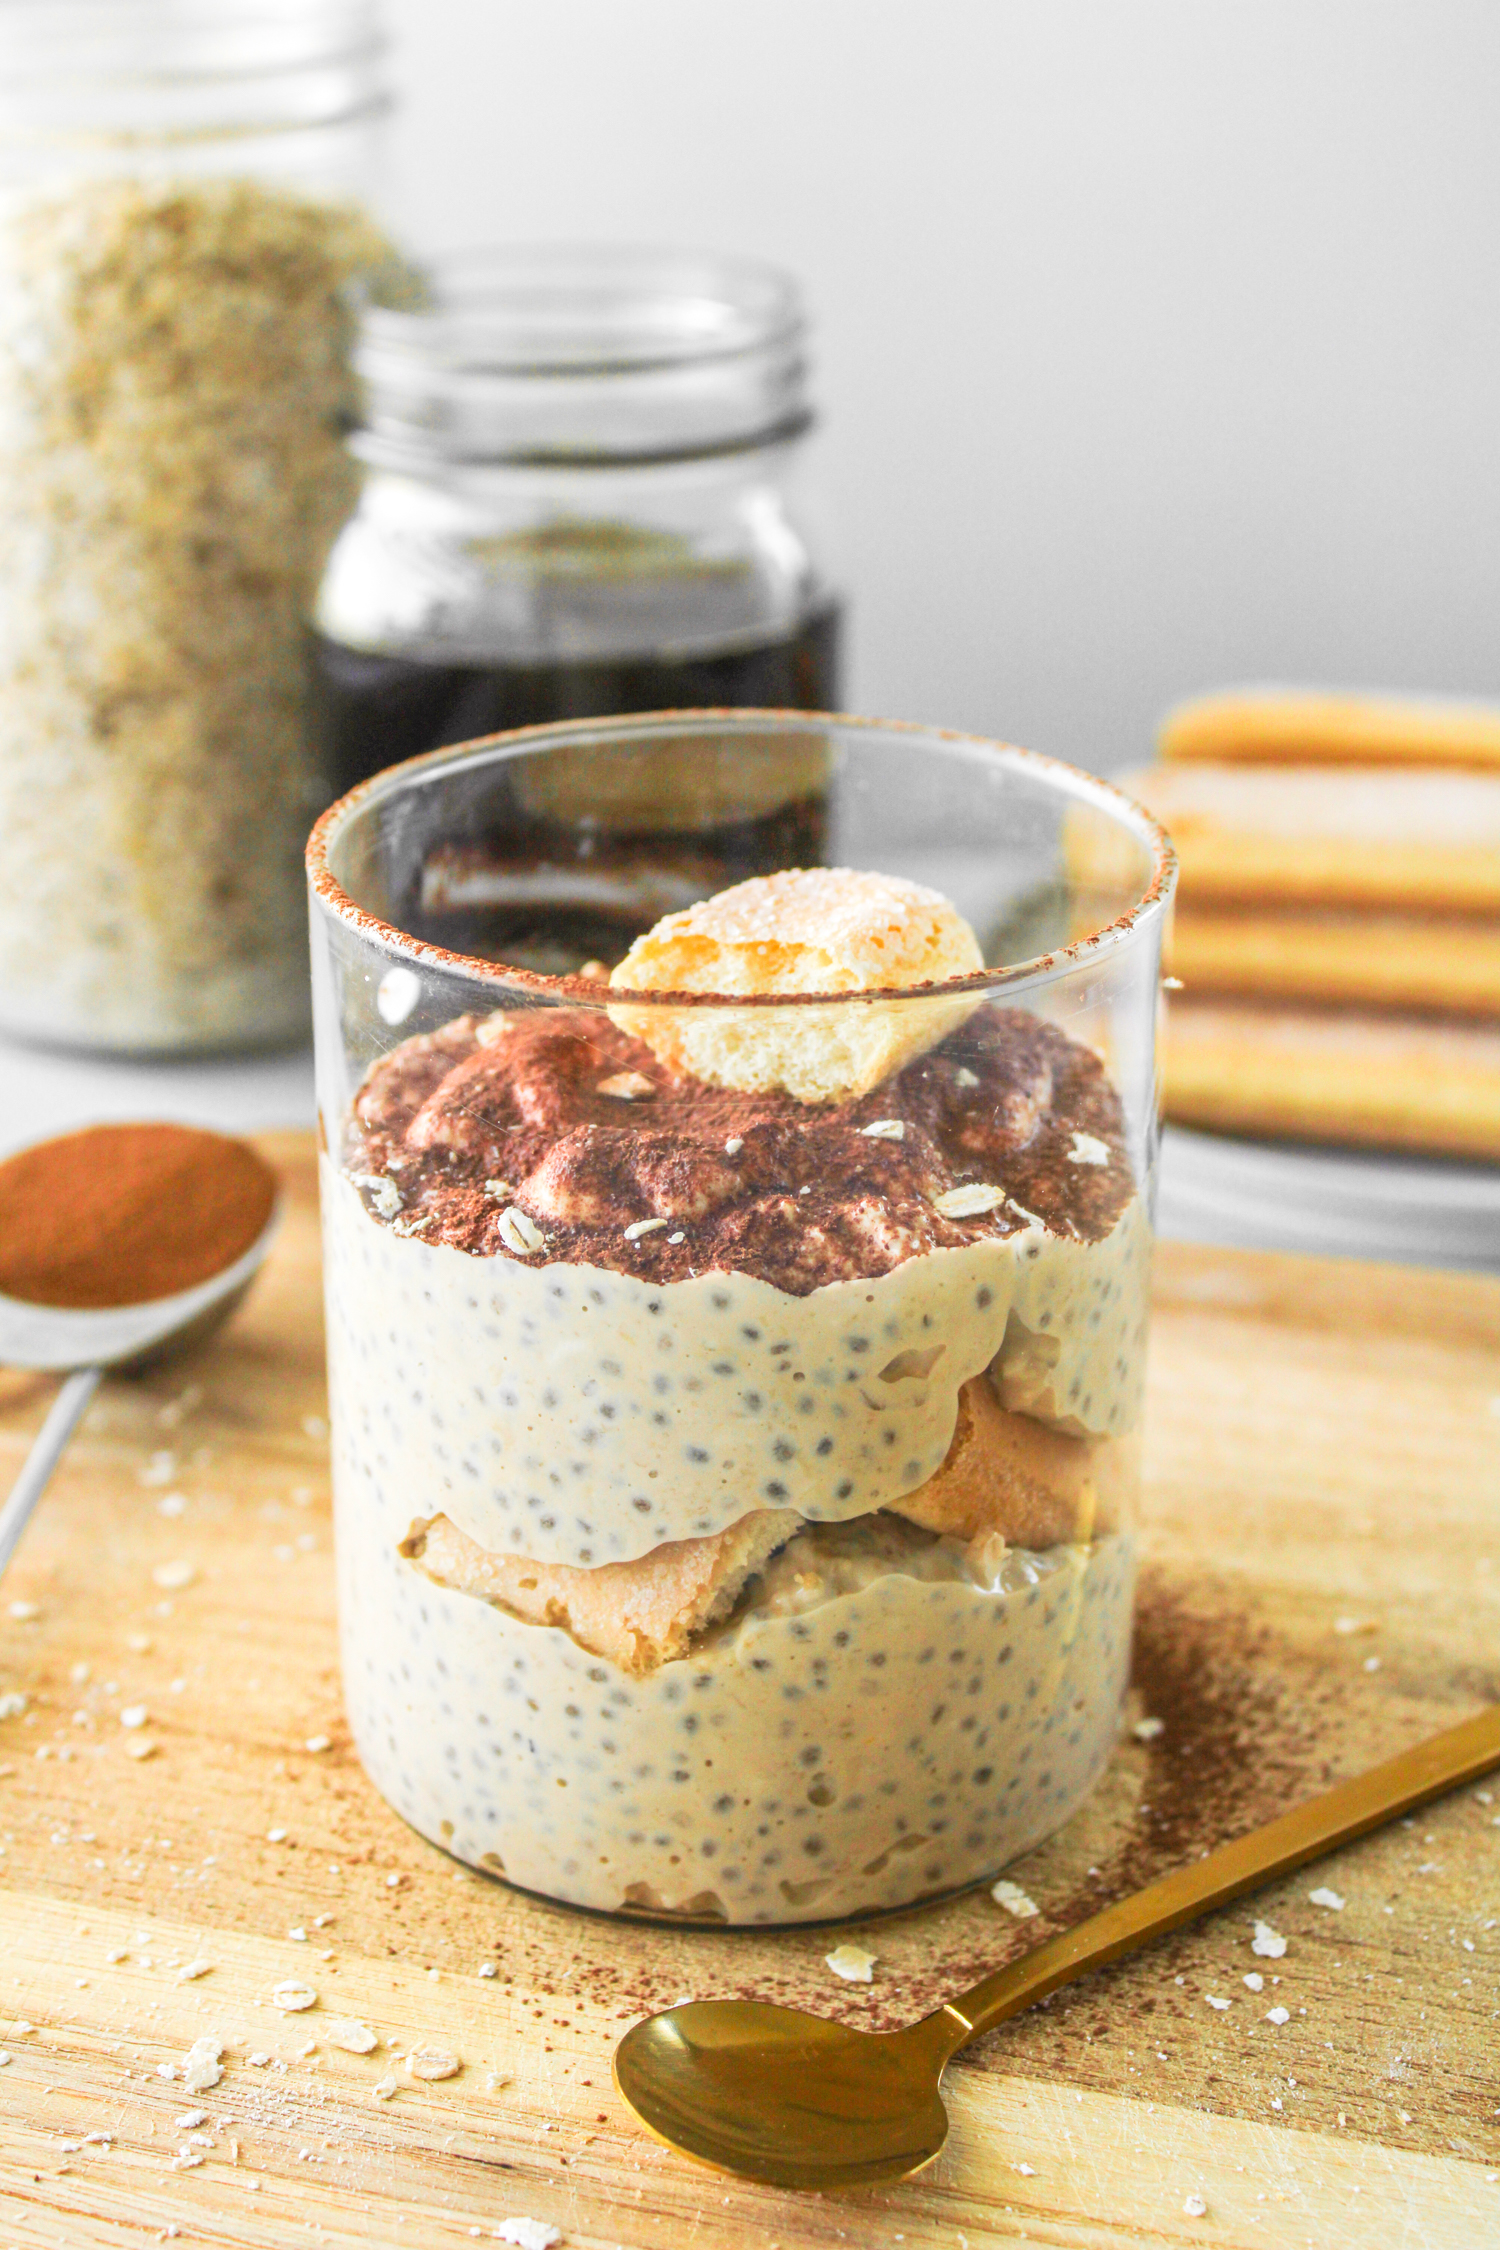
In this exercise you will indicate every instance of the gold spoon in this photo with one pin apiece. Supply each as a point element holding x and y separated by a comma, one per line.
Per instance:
<point>798,2102</point>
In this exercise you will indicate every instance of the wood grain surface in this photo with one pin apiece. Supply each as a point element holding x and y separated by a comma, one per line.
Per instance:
<point>1323,1587</point>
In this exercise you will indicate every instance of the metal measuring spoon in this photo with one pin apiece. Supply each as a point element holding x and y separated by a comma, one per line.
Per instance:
<point>798,2102</point>
<point>90,1342</point>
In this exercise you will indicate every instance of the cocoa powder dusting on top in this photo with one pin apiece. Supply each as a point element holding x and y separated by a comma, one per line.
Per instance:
<point>559,1115</point>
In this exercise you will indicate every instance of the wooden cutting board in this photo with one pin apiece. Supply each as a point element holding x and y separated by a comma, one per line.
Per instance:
<point>1323,1587</point>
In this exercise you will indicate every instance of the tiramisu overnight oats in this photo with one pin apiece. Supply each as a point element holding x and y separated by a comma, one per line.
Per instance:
<point>736,1397</point>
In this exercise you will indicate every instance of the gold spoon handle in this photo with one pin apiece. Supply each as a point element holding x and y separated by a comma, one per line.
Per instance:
<point>1351,1809</point>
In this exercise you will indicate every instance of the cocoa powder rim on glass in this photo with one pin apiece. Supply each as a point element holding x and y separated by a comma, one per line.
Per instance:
<point>125,1214</point>
<point>1010,978</point>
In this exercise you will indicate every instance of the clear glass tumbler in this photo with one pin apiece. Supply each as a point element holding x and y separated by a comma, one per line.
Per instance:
<point>736,1393</point>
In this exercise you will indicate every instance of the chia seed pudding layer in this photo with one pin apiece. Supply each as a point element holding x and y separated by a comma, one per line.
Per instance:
<point>581,1309</point>
<point>894,1739</point>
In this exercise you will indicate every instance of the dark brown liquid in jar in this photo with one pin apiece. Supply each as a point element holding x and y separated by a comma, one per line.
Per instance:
<point>375,710</point>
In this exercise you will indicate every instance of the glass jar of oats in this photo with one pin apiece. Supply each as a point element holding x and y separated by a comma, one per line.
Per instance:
<point>182,203</point>
<point>736,1345</point>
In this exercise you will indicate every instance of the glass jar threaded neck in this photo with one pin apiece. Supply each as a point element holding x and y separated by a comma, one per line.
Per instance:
<point>589,356</point>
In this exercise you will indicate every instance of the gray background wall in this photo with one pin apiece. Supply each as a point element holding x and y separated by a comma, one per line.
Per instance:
<point>1158,342</point>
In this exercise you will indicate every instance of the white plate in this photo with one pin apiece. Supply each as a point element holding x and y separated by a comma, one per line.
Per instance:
<point>1267,1195</point>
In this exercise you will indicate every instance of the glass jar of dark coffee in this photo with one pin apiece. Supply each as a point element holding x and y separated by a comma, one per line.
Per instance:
<point>586,492</point>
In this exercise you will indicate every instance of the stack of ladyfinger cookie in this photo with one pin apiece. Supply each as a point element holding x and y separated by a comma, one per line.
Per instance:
<point>1337,933</point>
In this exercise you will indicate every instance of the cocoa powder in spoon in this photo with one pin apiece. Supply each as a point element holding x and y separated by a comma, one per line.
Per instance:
<point>121,1214</point>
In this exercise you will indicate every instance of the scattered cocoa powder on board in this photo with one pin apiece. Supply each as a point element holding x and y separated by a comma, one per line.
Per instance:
<point>121,1214</point>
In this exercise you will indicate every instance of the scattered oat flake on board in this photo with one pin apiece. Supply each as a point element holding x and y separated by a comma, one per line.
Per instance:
<point>1195,2207</point>
<point>171,1576</point>
<point>348,2032</point>
<point>200,2068</point>
<point>24,1613</point>
<point>141,1746</point>
<point>192,1970</point>
<point>1014,1900</point>
<point>639,1227</point>
<point>12,1704</point>
<point>1269,1943</point>
<point>1215,2001</point>
<point>1323,1896</point>
<point>433,2062</point>
<point>317,1743</point>
<point>292,1998</point>
<point>1278,2015</point>
<point>134,1715</point>
<point>528,2234</point>
<point>852,1964</point>
<point>385,2088</point>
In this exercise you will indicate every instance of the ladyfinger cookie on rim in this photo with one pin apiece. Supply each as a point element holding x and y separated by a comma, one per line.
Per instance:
<point>1304,726</point>
<point>805,930</point>
<point>1334,1075</point>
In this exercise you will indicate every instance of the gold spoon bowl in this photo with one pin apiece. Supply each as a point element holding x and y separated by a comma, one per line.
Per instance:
<point>795,2101</point>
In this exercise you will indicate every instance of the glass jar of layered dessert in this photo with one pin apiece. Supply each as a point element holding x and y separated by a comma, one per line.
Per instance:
<point>737,1322</point>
